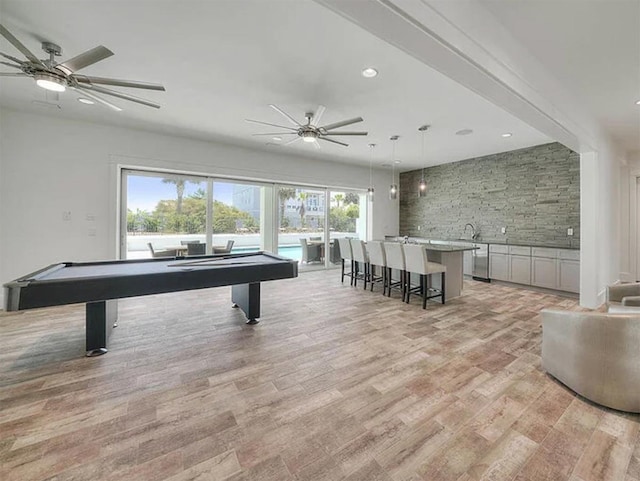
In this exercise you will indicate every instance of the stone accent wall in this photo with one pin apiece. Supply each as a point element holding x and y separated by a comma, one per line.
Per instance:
<point>533,192</point>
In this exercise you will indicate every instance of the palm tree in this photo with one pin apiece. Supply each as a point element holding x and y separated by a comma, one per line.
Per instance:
<point>284,194</point>
<point>302,196</point>
<point>180,184</point>
<point>338,198</point>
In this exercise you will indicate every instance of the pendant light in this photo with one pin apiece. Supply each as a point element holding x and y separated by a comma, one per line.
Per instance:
<point>393,190</point>
<point>370,190</point>
<point>422,185</point>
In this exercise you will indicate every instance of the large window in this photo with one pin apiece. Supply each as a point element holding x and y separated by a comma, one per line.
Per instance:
<point>301,225</point>
<point>165,214</point>
<point>162,213</point>
<point>347,218</point>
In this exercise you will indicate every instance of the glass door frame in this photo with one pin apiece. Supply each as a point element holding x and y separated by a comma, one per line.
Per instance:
<point>327,202</point>
<point>269,223</point>
<point>125,171</point>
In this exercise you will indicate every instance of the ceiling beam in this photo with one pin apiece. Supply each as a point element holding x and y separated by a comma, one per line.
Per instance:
<point>464,42</point>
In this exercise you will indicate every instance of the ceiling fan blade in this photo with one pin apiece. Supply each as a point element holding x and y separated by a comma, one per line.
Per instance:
<point>84,59</point>
<point>16,74</point>
<point>118,83</point>
<point>13,59</point>
<point>347,133</point>
<point>334,141</point>
<point>121,95</point>
<point>279,133</point>
<point>341,124</point>
<point>283,113</point>
<point>292,141</point>
<point>10,64</point>
<point>316,144</point>
<point>97,98</point>
<point>318,115</point>
<point>267,123</point>
<point>18,45</point>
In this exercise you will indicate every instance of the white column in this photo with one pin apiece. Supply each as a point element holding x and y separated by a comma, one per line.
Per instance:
<point>268,218</point>
<point>589,217</point>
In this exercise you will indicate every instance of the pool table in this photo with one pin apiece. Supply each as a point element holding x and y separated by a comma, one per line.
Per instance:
<point>101,284</point>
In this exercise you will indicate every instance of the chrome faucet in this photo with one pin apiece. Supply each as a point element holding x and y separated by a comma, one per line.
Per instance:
<point>474,235</point>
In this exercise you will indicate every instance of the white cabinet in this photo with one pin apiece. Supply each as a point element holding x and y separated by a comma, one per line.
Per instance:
<point>543,272</point>
<point>520,269</point>
<point>467,263</point>
<point>569,275</point>
<point>536,266</point>
<point>510,268</point>
<point>499,266</point>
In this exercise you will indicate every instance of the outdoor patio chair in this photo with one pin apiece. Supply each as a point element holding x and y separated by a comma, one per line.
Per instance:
<point>162,253</point>
<point>310,252</point>
<point>196,249</point>
<point>224,250</point>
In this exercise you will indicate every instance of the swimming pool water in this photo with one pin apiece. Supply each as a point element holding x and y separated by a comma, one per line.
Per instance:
<point>290,251</point>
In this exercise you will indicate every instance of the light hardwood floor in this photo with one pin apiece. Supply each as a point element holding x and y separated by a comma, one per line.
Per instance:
<point>334,383</point>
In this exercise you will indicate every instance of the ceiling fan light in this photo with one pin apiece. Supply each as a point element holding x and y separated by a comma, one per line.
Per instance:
<point>49,82</point>
<point>309,136</point>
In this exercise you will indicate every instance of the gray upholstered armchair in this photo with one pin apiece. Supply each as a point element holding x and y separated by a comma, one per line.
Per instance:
<point>623,297</point>
<point>595,354</point>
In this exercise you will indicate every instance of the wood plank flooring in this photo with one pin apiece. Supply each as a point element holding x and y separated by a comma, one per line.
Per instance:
<point>335,383</point>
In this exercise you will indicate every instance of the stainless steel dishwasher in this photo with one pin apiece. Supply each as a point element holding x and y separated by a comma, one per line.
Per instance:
<point>481,262</point>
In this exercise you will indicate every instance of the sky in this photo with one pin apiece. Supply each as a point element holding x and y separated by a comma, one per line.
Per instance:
<point>144,192</point>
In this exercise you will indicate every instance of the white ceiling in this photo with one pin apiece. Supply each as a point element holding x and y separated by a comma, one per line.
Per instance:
<point>224,61</point>
<point>592,46</point>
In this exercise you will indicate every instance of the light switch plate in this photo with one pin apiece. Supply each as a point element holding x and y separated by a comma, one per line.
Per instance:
<point>570,231</point>
<point>504,230</point>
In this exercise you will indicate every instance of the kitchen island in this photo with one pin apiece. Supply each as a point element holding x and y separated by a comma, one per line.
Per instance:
<point>451,256</point>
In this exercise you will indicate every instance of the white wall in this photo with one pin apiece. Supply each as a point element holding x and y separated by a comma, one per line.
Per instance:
<point>49,165</point>
<point>629,216</point>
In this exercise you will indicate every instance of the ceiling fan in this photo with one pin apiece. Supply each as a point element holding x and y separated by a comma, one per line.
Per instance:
<point>54,76</point>
<point>310,131</point>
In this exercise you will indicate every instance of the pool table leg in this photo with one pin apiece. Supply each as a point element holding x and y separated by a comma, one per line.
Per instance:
<point>100,320</point>
<point>247,298</point>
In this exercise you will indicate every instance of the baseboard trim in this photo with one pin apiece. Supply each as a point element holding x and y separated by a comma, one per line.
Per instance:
<point>544,290</point>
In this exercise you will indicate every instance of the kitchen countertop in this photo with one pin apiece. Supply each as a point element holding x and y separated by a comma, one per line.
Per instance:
<point>435,247</point>
<point>497,242</point>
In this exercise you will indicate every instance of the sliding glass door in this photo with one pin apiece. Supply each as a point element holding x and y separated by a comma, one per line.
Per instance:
<point>237,209</point>
<point>301,225</point>
<point>347,219</point>
<point>163,214</point>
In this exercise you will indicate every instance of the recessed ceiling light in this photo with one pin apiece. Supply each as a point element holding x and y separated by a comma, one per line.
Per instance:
<point>464,132</point>
<point>369,72</point>
<point>507,134</point>
<point>397,162</point>
<point>82,100</point>
<point>277,139</point>
<point>637,102</point>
